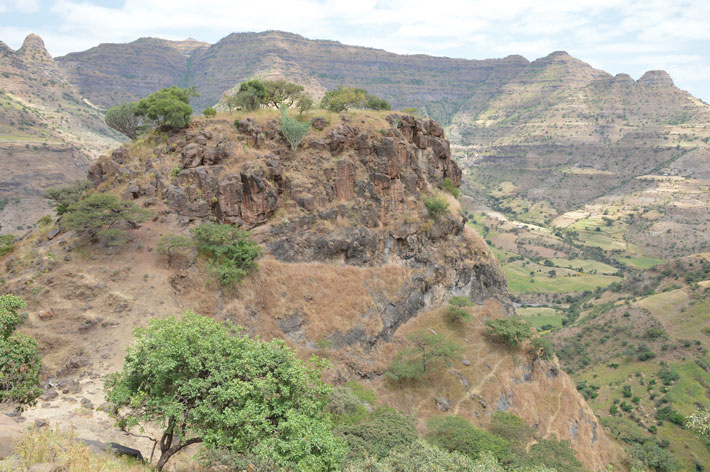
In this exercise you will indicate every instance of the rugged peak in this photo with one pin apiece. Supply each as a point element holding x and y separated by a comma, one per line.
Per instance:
<point>34,45</point>
<point>4,48</point>
<point>623,79</point>
<point>656,78</point>
<point>559,55</point>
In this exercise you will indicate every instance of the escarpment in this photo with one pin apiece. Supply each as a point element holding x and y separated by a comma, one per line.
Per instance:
<point>355,256</point>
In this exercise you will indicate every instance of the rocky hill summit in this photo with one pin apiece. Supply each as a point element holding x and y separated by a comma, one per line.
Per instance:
<point>353,261</point>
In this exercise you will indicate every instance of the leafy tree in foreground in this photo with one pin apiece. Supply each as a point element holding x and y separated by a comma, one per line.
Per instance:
<point>293,130</point>
<point>169,108</point>
<point>428,350</point>
<point>251,95</point>
<point>97,213</point>
<point>19,356</point>
<point>171,242</point>
<point>67,195</point>
<point>231,252</point>
<point>124,119</point>
<point>510,331</point>
<point>281,92</point>
<point>207,382</point>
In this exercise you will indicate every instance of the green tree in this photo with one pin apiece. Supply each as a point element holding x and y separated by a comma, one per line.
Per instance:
<point>231,252</point>
<point>231,101</point>
<point>67,195</point>
<point>169,108</point>
<point>293,130</point>
<point>385,429</point>
<point>281,92</point>
<point>250,95</point>
<point>19,360</point>
<point>558,455</point>
<point>456,312</point>
<point>542,347</point>
<point>428,350</point>
<point>436,207</point>
<point>650,456</point>
<point>342,98</point>
<point>97,213</point>
<point>375,103</point>
<point>511,427</point>
<point>171,242</point>
<point>457,434</point>
<point>207,382</point>
<point>303,104</point>
<point>209,112</point>
<point>509,330</point>
<point>124,119</point>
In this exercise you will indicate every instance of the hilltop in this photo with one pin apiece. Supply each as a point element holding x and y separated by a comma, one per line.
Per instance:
<point>352,263</point>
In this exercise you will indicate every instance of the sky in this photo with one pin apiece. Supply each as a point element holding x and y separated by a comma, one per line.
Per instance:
<point>630,36</point>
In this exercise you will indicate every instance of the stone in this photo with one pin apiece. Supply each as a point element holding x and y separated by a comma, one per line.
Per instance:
<point>46,314</point>
<point>49,394</point>
<point>319,123</point>
<point>86,403</point>
<point>10,433</point>
<point>41,423</point>
<point>191,156</point>
<point>466,362</point>
<point>53,233</point>
<point>442,404</point>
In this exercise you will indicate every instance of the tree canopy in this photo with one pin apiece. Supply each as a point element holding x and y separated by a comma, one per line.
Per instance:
<point>342,98</point>
<point>169,108</point>
<point>124,119</point>
<point>67,195</point>
<point>99,212</point>
<point>230,251</point>
<point>19,356</point>
<point>204,381</point>
<point>428,349</point>
<point>510,331</point>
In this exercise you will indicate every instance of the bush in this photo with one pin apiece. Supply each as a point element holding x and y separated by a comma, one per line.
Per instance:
<point>667,413</point>
<point>250,96</point>
<point>510,331</point>
<point>209,112</point>
<point>124,119</point>
<point>20,362</point>
<point>207,382</point>
<point>383,431</point>
<point>375,103</point>
<point>456,312</point>
<point>342,98</point>
<point>447,185</point>
<point>66,195</point>
<point>303,104</point>
<point>172,242</point>
<point>169,108</point>
<point>422,456</point>
<point>293,130</point>
<point>436,207</point>
<point>543,348</point>
<point>557,455</point>
<point>650,456</point>
<point>100,211</point>
<point>428,350</point>
<point>456,434</point>
<point>512,428</point>
<point>230,251</point>
<point>7,244</point>
<point>668,376</point>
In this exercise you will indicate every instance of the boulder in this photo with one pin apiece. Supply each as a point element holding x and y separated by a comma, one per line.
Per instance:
<point>46,314</point>
<point>319,123</point>
<point>10,433</point>
<point>442,404</point>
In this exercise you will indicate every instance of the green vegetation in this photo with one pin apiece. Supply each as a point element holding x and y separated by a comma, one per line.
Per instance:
<point>168,108</point>
<point>7,244</point>
<point>456,434</point>
<point>293,130</point>
<point>67,195</point>
<point>456,312</point>
<point>207,382</point>
<point>173,242</point>
<point>209,112</point>
<point>20,362</point>
<point>96,214</point>
<point>447,185</point>
<point>428,351</point>
<point>436,207</point>
<point>125,119</point>
<point>383,430</point>
<point>342,98</point>
<point>511,331</point>
<point>231,252</point>
<point>543,348</point>
<point>254,94</point>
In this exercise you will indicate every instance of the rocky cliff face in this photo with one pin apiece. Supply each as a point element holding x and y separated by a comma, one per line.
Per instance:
<point>352,260</point>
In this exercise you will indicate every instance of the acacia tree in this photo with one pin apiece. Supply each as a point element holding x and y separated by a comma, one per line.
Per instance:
<point>123,118</point>
<point>510,331</point>
<point>207,382</point>
<point>19,356</point>
<point>281,92</point>
<point>97,213</point>
<point>427,350</point>
<point>170,242</point>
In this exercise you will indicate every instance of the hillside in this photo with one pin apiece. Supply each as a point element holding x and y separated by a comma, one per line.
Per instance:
<point>352,263</point>
<point>48,133</point>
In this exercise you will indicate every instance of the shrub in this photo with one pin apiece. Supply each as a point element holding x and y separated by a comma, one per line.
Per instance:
<point>293,130</point>
<point>342,98</point>
<point>543,348</point>
<point>171,242</point>
<point>510,331</point>
<point>169,108</point>
<point>303,104</point>
<point>422,456</point>
<point>124,119</point>
<point>7,244</point>
<point>383,431</point>
<point>456,312</point>
<point>20,361</point>
<point>427,351</point>
<point>231,252</point>
<point>375,103</point>
<point>209,112</point>
<point>456,434</point>
<point>436,207</point>
<point>251,95</point>
<point>668,376</point>
<point>512,428</point>
<point>100,211</point>
<point>206,382</point>
<point>650,456</point>
<point>557,455</point>
<point>447,185</point>
<point>667,413</point>
<point>66,195</point>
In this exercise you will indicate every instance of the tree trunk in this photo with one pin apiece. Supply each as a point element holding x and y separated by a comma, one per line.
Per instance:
<point>170,451</point>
